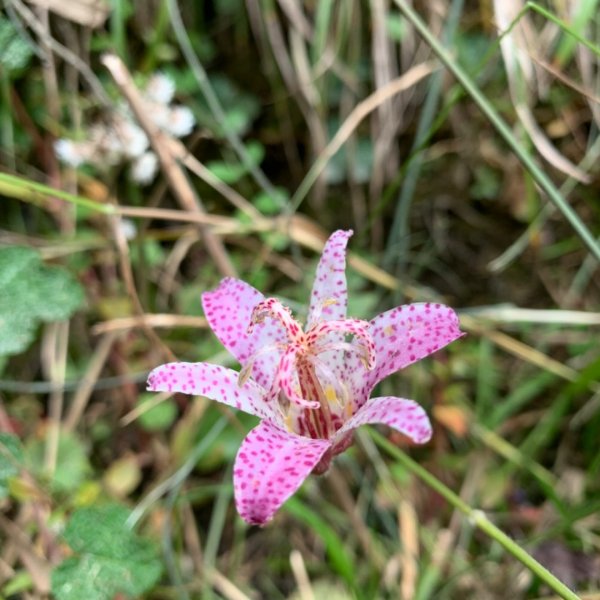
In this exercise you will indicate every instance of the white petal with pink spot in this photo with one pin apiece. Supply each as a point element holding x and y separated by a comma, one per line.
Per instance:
<point>403,415</point>
<point>216,383</point>
<point>228,310</point>
<point>270,466</point>
<point>329,296</point>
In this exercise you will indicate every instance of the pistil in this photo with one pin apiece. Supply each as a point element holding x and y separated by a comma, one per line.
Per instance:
<point>310,386</point>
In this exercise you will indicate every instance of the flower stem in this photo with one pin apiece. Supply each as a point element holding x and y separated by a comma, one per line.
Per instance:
<point>477,517</point>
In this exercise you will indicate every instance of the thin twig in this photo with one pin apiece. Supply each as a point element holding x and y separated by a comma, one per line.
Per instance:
<point>305,590</point>
<point>56,356</point>
<point>84,391</point>
<point>148,320</point>
<point>162,145</point>
<point>362,110</point>
<point>128,279</point>
<point>88,75</point>
<point>211,98</point>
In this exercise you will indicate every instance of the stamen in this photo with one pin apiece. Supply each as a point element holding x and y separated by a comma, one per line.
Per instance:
<point>346,347</point>
<point>246,370</point>
<point>284,378</point>
<point>355,327</point>
<point>271,307</point>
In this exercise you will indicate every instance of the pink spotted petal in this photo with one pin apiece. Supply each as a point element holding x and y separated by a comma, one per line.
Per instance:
<point>228,310</point>
<point>286,379</point>
<point>329,296</point>
<point>403,336</point>
<point>216,383</point>
<point>403,415</point>
<point>270,466</point>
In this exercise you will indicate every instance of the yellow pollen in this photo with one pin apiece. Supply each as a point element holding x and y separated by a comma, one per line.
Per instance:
<point>289,422</point>
<point>388,330</point>
<point>329,302</point>
<point>348,410</point>
<point>331,395</point>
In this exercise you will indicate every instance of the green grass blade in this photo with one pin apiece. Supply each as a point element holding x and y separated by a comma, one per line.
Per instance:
<point>334,546</point>
<point>37,193</point>
<point>477,517</point>
<point>490,112</point>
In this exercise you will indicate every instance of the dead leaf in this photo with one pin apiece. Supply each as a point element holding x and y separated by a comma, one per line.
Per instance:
<point>453,418</point>
<point>91,13</point>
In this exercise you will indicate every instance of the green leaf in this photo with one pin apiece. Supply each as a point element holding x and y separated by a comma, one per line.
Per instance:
<point>240,108</point>
<point>232,172</point>
<point>158,417</point>
<point>396,26</point>
<point>72,465</point>
<point>269,204</point>
<point>15,51</point>
<point>109,558</point>
<point>11,454</point>
<point>31,292</point>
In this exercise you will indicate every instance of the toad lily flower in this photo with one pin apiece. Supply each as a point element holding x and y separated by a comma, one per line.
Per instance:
<point>310,386</point>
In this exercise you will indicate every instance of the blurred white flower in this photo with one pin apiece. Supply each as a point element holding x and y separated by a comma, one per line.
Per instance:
<point>144,168</point>
<point>119,139</point>
<point>131,139</point>
<point>128,228</point>
<point>160,89</point>
<point>71,153</point>
<point>181,121</point>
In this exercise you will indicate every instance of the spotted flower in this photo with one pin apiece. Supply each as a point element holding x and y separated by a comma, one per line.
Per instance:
<point>310,385</point>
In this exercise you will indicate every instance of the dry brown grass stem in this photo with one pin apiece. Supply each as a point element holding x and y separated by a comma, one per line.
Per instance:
<point>375,100</point>
<point>37,567</point>
<point>162,146</point>
<point>408,531</point>
<point>558,74</point>
<point>168,275</point>
<point>343,494</point>
<point>360,112</point>
<point>195,166</point>
<point>129,280</point>
<point>149,320</point>
<point>522,350</point>
<point>301,87</point>
<point>225,586</point>
<point>54,356</point>
<point>85,389</point>
<point>67,55</point>
<point>389,112</point>
<point>296,17</point>
<point>170,214</point>
<point>90,13</point>
<point>305,591</point>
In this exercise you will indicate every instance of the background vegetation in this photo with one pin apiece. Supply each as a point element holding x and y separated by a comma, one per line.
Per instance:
<point>309,116</point>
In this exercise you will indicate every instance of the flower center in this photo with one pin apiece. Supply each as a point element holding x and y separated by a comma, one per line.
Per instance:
<point>303,377</point>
